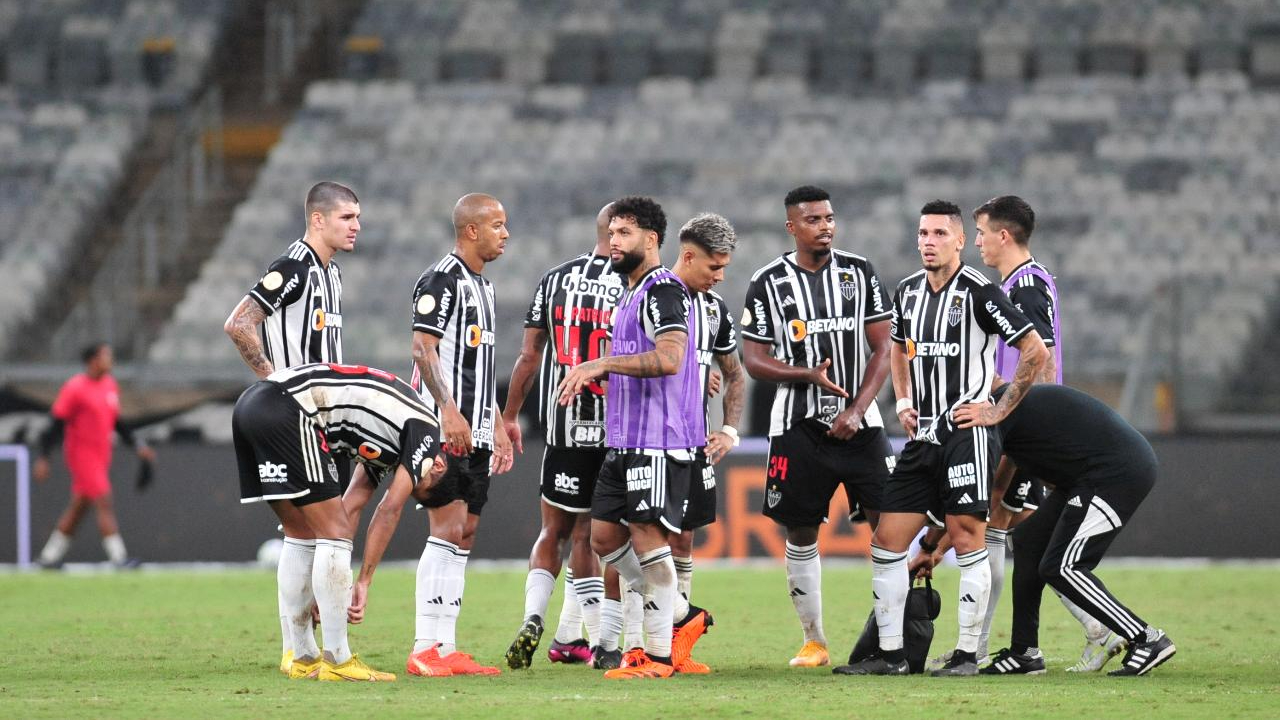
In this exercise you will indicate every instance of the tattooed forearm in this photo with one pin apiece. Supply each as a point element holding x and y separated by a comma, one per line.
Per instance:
<point>1049,372</point>
<point>1031,360</point>
<point>428,362</point>
<point>665,359</point>
<point>735,394</point>
<point>242,328</point>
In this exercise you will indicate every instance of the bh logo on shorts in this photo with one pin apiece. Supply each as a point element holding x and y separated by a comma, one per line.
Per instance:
<point>269,472</point>
<point>962,475</point>
<point>566,484</point>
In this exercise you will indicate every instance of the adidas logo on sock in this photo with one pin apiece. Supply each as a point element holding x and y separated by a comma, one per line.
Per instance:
<point>1075,502</point>
<point>874,595</point>
<point>651,605</point>
<point>456,603</point>
<point>591,601</point>
<point>437,600</point>
<point>797,592</point>
<point>964,499</point>
<point>642,506</point>
<point>967,598</point>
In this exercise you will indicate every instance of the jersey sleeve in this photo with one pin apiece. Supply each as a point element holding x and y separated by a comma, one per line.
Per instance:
<point>726,340</point>
<point>895,318</point>
<point>435,298</point>
<point>757,314</point>
<point>877,307</point>
<point>419,442</point>
<point>666,308</point>
<point>536,316</point>
<point>65,404</point>
<point>1034,302</point>
<point>283,284</point>
<point>996,314</point>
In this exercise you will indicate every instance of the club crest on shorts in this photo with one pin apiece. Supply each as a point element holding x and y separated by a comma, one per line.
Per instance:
<point>956,311</point>
<point>848,285</point>
<point>773,496</point>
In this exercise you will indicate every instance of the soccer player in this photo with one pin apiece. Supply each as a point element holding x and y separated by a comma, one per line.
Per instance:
<point>293,316</point>
<point>1101,469</point>
<point>287,430</point>
<point>807,314</point>
<point>946,319</point>
<point>1004,225</point>
<point>453,346</point>
<point>570,312</point>
<point>706,247</point>
<point>653,423</point>
<point>87,411</point>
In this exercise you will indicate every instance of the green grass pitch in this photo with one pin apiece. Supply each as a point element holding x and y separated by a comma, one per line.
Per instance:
<point>205,645</point>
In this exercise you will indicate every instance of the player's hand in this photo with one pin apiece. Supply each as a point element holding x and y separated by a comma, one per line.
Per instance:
<point>910,420</point>
<point>146,454</point>
<point>846,424</point>
<point>714,383</point>
<point>457,433</point>
<point>359,598</point>
<point>718,445</point>
<point>975,415</point>
<point>512,427</point>
<point>818,376</point>
<point>578,378</point>
<point>40,470</point>
<point>503,457</point>
<point>922,565</point>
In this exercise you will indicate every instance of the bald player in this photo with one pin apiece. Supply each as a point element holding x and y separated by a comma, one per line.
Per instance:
<point>453,370</point>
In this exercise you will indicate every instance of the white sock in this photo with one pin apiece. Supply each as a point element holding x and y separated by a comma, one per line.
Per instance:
<point>659,601</point>
<point>331,582</point>
<point>114,545</point>
<point>610,624</point>
<point>1093,630</point>
<point>570,627</point>
<point>454,584</point>
<point>537,592</point>
<point>632,615</point>
<point>590,593</point>
<point>624,560</point>
<point>56,548</point>
<point>684,576</point>
<point>804,582</point>
<point>995,558</point>
<point>293,590</point>
<point>975,587</point>
<point>429,591</point>
<point>889,585</point>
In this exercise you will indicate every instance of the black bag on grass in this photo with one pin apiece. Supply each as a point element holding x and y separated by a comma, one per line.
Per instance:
<point>923,606</point>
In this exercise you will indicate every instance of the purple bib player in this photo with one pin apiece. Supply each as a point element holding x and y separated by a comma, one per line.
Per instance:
<point>1007,357</point>
<point>657,413</point>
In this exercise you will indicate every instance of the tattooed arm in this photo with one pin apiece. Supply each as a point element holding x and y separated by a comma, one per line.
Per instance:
<point>242,327</point>
<point>522,377</point>
<point>735,397</point>
<point>457,433</point>
<point>1049,373</point>
<point>1031,360</point>
<point>665,359</point>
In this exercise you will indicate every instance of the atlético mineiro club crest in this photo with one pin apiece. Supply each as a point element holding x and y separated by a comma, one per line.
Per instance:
<point>956,311</point>
<point>848,285</point>
<point>713,319</point>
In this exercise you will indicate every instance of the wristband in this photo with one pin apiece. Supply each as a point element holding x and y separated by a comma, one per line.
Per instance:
<point>732,432</point>
<point>903,404</point>
<point>931,549</point>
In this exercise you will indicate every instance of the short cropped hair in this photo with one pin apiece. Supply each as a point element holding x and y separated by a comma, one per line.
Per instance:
<point>711,232</point>
<point>325,196</point>
<point>804,194</point>
<point>646,213</point>
<point>1011,213</point>
<point>90,351</point>
<point>941,207</point>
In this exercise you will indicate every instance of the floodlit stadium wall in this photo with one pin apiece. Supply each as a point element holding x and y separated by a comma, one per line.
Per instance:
<point>1214,499</point>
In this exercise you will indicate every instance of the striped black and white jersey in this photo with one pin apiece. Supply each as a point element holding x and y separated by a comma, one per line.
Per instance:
<point>457,306</point>
<point>365,413</point>
<point>950,339</point>
<point>302,298</point>
<point>716,335</point>
<point>809,317</point>
<point>574,304</point>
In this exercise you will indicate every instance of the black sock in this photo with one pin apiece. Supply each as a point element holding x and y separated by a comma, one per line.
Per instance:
<point>664,659</point>
<point>1019,649</point>
<point>894,656</point>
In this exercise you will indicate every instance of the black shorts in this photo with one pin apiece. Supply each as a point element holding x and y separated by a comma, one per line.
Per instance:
<point>806,466</point>
<point>1024,493</point>
<point>700,511</point>
<point>280,452</point>
<point>953,478</point>
<point>467,478</point>
<point>569,477</point>
<point>645,486</point>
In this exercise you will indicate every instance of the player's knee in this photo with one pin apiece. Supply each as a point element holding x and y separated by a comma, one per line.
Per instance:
<point>802,535</point>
